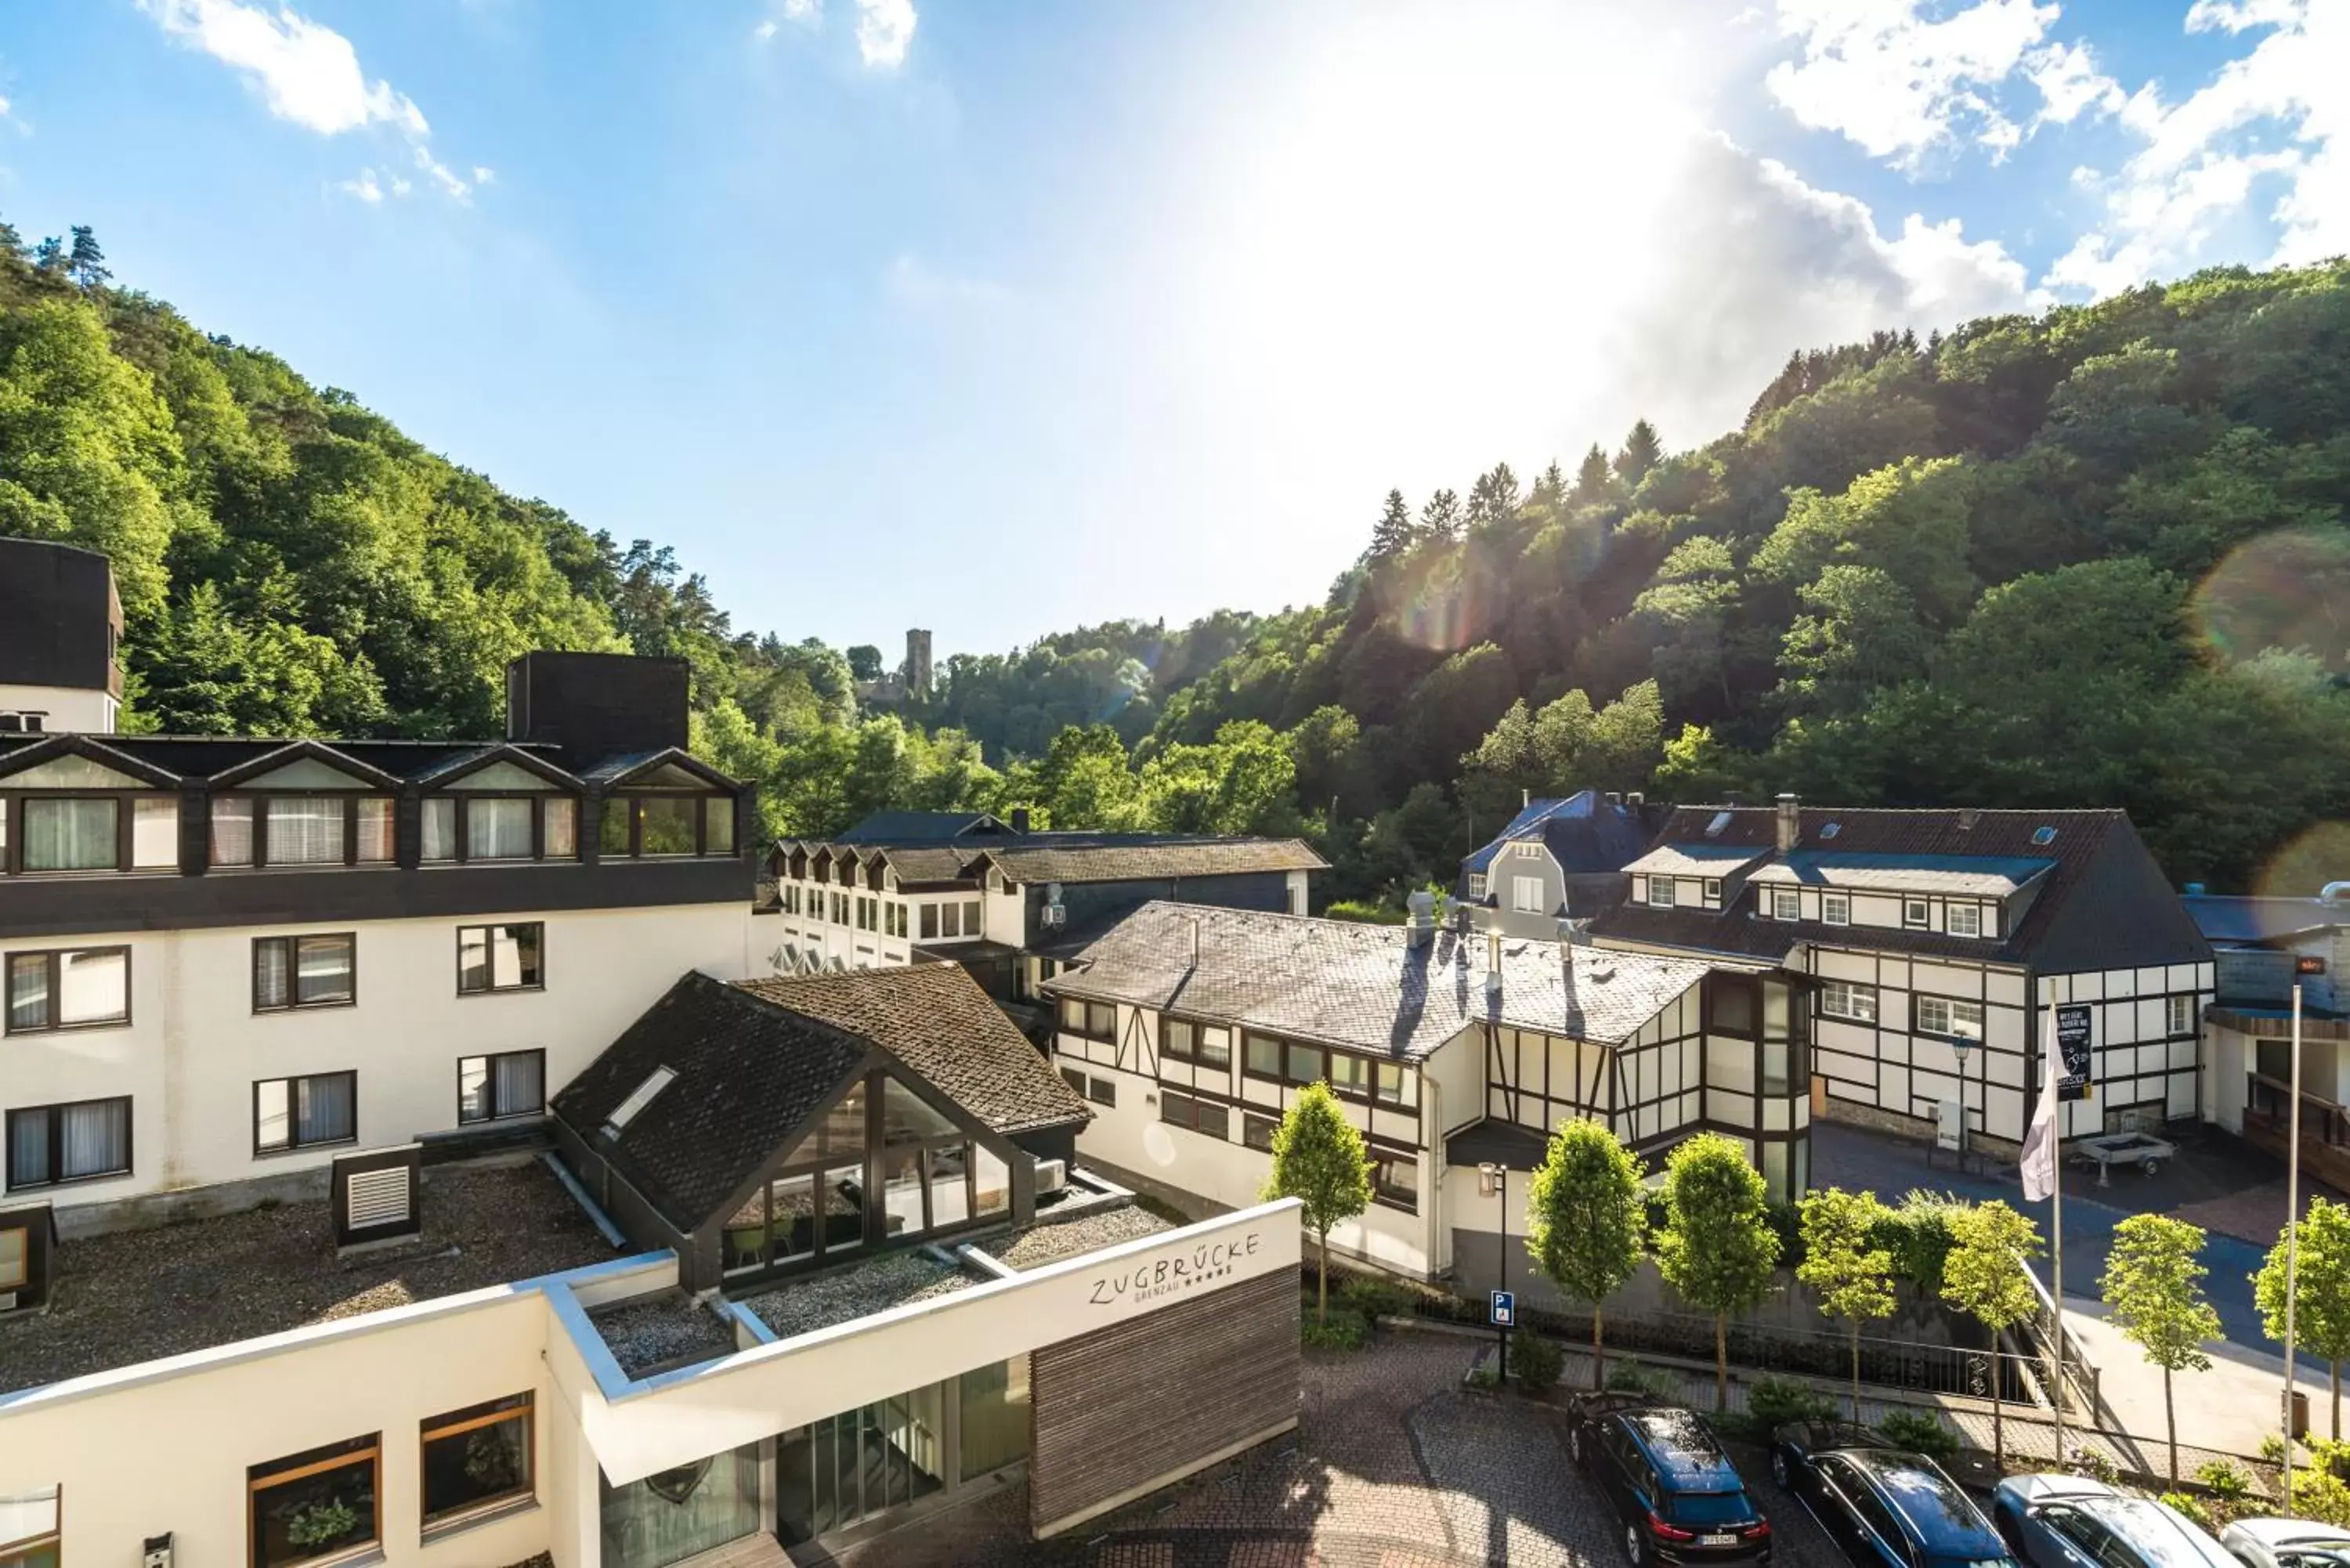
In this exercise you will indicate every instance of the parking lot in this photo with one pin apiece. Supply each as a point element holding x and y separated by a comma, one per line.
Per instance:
<point>1394,1466</point>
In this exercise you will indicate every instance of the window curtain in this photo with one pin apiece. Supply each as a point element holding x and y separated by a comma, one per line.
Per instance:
<point>70,836</point>
<point>28,992</point>
<point>497,830</point>
<point>666,1518</point>
<point>305,830</point>
<point>270,974</point>
<point>28,1147</point>
<point>95,1137</point>
<point>323,970</point>
<point>562,817</point>
<point>440,829</point>
<point>718,821</point>
<point>93,987</point>
<point>375,829</point>
<point>521,1085</point>
<point>155,831</point>
<point>323,1111</point>
<point>232,832</point>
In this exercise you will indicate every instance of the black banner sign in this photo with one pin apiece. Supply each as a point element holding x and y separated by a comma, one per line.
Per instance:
<point>2072,1040</point>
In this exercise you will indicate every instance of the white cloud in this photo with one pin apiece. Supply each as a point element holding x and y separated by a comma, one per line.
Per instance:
<point>307,74</point>
<point>764,30</point>
<point>2070,84</point>
<point>912,281</point>
<point>2273,121</point>
<point>885,30</point>
<point>484,176</point>
<point>1901,84</point>
<point>805,13</point>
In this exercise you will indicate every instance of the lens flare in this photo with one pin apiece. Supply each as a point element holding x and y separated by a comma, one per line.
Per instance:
<point>1432,603</point>
<point>2287,589</point>
<point>2319,853</point>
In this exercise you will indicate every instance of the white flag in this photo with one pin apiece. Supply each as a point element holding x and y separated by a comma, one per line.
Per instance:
<point>2040,1140</point>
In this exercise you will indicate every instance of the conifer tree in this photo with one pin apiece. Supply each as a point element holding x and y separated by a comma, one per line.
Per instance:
<point>49,256</point>
<point>1393,534</point>
<point>1439,520</point>
<point>1642,451</point>
<point>1593,477</point>
<point>87,263</point>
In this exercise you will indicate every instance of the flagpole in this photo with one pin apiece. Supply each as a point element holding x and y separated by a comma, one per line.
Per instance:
<point>2056,1219</point>
<point>2291,1237</point>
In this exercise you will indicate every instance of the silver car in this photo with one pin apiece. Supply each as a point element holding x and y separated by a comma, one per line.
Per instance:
<point>2071,1521</point>
<point>2287,1543</point>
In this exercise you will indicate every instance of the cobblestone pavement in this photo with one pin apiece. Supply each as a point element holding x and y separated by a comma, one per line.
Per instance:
<point>1393,1466</point>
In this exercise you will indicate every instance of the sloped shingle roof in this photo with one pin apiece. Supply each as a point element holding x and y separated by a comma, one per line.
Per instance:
<point>1171,861</point>
<point>1364,987</point>
<point>934,1018</point>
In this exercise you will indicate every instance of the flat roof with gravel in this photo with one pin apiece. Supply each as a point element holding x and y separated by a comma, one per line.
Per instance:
<point>844,1295</point>
<point>653,1333</point>
<point>135,1296</point>
<point>1035,1246</point>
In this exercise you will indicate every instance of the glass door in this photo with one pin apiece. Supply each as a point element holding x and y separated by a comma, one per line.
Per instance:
<point>846,1469</point>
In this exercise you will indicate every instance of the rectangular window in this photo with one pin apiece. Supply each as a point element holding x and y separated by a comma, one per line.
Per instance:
<point>1257,1131</point>
<point>1350,1075</point>
<point>1963,919</point>
<point>1526,895</point>
<point>1476,886</point>
<point>1181,1040</point>
<point>303,1113</point>
<point>1303,1064</point>
<point>499,958</point>
<point>476,1459</point>
<point>1394,1084</point>
<point>1075,1077</point>
<point>304,972</point>
<point>612,828</point>
<point>1102,1091</point>
<point>951,921</point>
<point>1836,908</point>
<point>232,830</point>
<point>497,829</point>
<point>1101,1020</point>
<point>73,988</point>
<point>317,1504</point>
<point>303,829</point>
<point>510,1084</point>
<point>1660,892</point>
<point>155,833</point>
<point>1262,1055</point>
<point>1843,999</point>
<point>1786,904</point>
<point>69,835</point>
<point>1949,1018</point>
<point>440,818</point>
<point>1395,1177</point>
<point>667,825</point>
<point>1204,1117</point>
<point>29,1529</point>
<point>16,1272</point>
<point>2179,1014</point>
<point>1713,889</point>
<point>1914,913</point>
<point>971,917</point>
<point>77,1142</point>
<point>930,922</point>
<point>717,825</point>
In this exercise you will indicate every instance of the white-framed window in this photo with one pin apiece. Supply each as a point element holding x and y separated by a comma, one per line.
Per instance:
<point>1713,889</point>
<point>1848,999</point>
<point>1526,851</point>
<point>2179,1014</point>
<point>1526,895</point>
<point>1476,885</point>
<point>1963,919</point>
<point>1786,904</point>
<point>1660,892</point>
<point>1836,908</point>
<point>1914,913</point>
<point>1950,1018</point>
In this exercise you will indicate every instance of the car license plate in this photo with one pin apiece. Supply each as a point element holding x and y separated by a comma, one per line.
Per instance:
<point>1724,1540</point>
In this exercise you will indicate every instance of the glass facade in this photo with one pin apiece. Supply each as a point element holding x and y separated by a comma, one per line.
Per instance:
<point>850,1467</point>
<point>670,1516</point>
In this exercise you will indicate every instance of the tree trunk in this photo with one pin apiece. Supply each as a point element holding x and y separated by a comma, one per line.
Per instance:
<point>1856,1372</point>
<point>2337,1399</point>
<point>1721,1361</point>
<point>2170,1425</point>
<point>1321,1278</point>
<point>1998,1410</point>
<point>1598,1364</point>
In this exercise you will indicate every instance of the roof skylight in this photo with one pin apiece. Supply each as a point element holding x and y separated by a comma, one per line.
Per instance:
<point>2043,835</point>
<point>639,1098</point>
<point>1720,820</point>
<point>1829,830</point>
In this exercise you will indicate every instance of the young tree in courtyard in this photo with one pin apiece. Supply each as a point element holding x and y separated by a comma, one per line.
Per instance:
<point>2154,1289</point>
<point>1853,1275</point>
<point>1318,1160</point>
<point>1585,1215</point>
<point>1984,1275</point>
<point>1717,1248</point>
<point>2321,1292</point>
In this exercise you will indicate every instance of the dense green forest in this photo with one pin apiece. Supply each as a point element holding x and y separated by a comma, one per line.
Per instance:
<point>2096,557</point>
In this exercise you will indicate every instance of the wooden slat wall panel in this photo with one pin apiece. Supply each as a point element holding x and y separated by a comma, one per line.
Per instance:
<point>1120,1407</point>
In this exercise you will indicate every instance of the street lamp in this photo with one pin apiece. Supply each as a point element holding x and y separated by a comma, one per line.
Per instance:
<point>1494,1181</point>
<point>1958,1049</point>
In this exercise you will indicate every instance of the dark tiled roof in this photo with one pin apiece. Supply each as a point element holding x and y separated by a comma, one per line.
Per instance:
<point>934,1018</point>
<point>1155,862</point>
<point>2102,903</point>
<point>749,1076</point>
<point>1584,832</point>
<point>1364,987</point>
<point>913,827</point>
<point>196,757</point>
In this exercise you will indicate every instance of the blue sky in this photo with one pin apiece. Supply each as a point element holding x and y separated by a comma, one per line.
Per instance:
<point>998,319</point>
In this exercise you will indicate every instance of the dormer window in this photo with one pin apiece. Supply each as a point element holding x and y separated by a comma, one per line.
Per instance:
<point>306,812</point>
<point>1963,919</point>
<point>501,812</point>
<point>1660,892</point>
<point>74,813</point>
<point>672,813</point>
<point>1786,904</point>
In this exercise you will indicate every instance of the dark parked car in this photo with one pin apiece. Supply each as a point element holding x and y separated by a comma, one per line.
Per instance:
<point>1886,1508</point>
<point>1679,1499</point>
<point>2073,1522</point>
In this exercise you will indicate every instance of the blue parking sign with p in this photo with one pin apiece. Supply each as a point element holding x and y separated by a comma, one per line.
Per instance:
<point>1505,1309</point>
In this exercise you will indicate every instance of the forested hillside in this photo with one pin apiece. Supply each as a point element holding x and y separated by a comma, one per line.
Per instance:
<point>2096,557</point>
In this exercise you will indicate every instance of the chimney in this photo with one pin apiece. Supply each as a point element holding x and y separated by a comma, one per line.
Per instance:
<point>1493,963</point>
<point>1419,925</point>
<point>1019,819</point>
<point>1526,798</point>
<point>1614,797</point>
<point>1634,799</point>
<point>1790,821</point>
